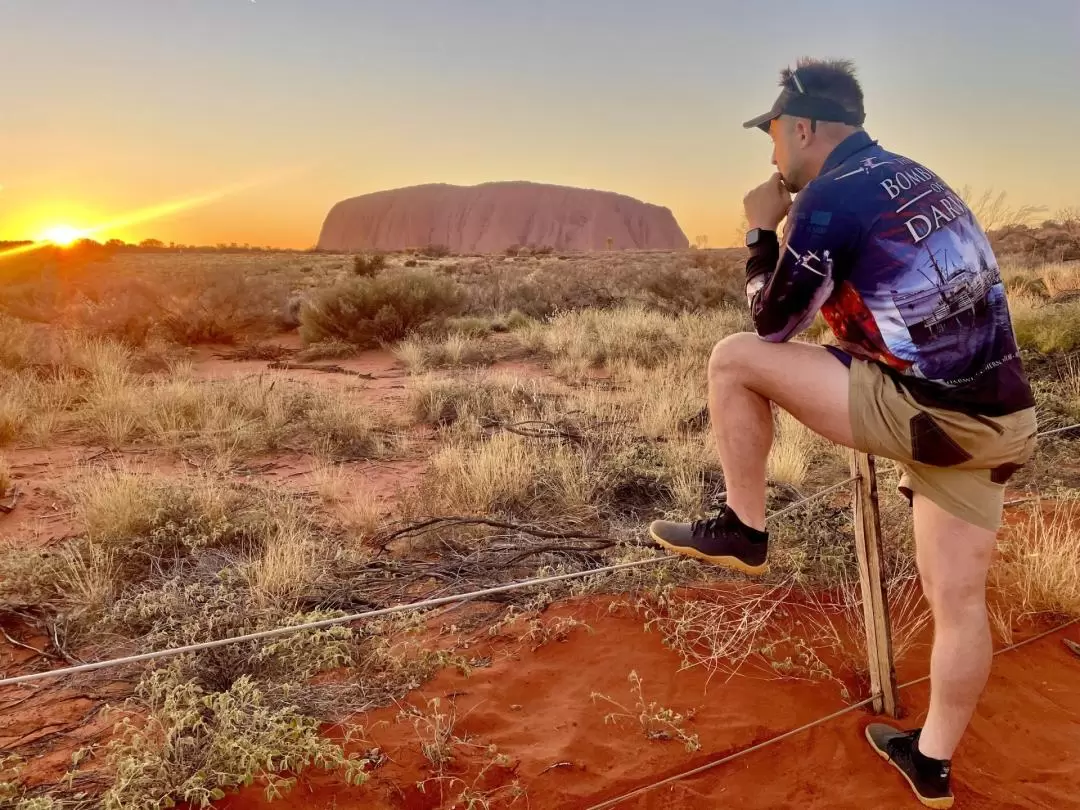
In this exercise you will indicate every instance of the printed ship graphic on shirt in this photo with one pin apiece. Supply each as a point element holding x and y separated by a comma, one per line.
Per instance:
<point>956,302</point>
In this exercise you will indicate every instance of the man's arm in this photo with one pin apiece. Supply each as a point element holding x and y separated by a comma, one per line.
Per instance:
<point>787,282</point>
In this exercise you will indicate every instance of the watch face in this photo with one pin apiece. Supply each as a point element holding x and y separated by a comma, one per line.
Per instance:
<point>753,236</point>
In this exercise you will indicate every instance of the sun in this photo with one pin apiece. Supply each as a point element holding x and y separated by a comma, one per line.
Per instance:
<point>62,235</point>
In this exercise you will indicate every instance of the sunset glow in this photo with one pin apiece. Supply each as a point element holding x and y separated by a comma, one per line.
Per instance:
<point>62,235</point>
<point>143,127</point>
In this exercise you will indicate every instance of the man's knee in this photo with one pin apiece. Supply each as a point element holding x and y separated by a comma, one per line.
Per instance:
<point>955,602</point>
<point>733,354</point>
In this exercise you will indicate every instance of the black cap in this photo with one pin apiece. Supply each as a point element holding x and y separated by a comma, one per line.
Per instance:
<point>794,100</point>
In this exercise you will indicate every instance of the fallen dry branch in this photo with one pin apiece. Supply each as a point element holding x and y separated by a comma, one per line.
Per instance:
<point>9,502</point>
<point>327,368</point>
<point>535,429</point>
<point>433,524</point>
<point>18,643</point>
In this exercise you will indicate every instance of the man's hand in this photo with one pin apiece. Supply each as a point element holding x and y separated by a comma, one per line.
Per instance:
<point>767,204</point>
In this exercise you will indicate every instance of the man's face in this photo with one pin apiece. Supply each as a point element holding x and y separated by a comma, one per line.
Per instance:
<point>788,157</point>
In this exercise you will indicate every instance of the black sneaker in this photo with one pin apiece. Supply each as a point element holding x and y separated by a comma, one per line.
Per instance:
<point>929,778</point>
<point>720,540</point>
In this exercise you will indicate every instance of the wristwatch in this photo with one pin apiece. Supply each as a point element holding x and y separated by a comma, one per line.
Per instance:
<point>755,236</point>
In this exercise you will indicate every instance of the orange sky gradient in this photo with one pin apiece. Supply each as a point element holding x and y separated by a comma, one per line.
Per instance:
<point>235,121</point>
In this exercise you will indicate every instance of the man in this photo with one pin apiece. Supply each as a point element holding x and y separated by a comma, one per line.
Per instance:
<point>926,372</point>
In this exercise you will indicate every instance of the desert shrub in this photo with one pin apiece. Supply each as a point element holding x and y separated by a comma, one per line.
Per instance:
<point>470,326</point>
<point>1049,242</point>
<point>142,520</point>
<point>14,794</point>
<point>27,579</point>
<point>368,311</point>
<point>195,744</point>
<point>513,321</point>
<point>180,612</point>
<point>368,265</point>
<point>19,343</point>
<point>326,350</point>
<point>435,251</point>
<point>220,307</point>
<point>539,287</point>
<point>677,288</point>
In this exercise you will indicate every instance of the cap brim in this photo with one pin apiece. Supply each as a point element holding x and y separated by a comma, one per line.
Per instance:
<point>762,121</point>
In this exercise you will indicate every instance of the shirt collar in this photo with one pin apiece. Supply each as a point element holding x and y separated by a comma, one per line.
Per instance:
<point>853,143</point>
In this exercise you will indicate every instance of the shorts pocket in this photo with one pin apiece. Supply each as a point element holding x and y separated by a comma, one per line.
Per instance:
<point>931,445</point>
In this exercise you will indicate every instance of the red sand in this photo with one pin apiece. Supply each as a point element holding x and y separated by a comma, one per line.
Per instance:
<point>1020,751</point>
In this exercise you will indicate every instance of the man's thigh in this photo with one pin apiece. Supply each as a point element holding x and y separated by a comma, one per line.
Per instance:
<point>805,380</point>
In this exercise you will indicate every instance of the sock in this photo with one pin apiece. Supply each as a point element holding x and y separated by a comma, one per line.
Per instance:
<point>928,766</point>
<point>753,535</point>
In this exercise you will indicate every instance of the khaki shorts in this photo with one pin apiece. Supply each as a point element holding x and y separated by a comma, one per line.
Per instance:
<point>959,461</point>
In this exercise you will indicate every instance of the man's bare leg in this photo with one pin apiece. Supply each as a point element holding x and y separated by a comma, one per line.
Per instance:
<point>746,373</point>
<point>953,557</point>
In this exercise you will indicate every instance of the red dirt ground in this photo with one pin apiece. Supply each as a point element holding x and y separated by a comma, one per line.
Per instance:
<point>1020,751</point>
<point>535,705</point>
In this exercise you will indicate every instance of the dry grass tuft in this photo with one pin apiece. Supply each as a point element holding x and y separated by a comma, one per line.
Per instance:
<point>1043,326</point>
<point>499,476</point>
<point>1039,562</point>
<point>362,513</point>
<point>665,400</point>
<point>18,344</point>
<point>1061,278</point>
<point>419,355</point>
<point>481,397</point>
<point>584,339</point>
<point>794,446</point>
<point>329,481</point>
<point>348,429</point>
<point>289,563</point>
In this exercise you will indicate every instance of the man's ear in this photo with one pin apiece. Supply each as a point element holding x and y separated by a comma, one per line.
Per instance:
<point>803,131</point>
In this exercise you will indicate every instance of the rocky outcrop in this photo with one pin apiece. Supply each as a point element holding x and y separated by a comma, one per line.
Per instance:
<point>491,217</point>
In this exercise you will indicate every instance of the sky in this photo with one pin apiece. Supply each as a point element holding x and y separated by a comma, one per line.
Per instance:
<point>207,121</point>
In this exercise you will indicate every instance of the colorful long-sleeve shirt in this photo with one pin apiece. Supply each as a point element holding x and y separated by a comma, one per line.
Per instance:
<point>904,276</point>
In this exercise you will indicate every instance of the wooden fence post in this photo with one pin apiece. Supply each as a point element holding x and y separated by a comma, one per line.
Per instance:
<point>875,600</point>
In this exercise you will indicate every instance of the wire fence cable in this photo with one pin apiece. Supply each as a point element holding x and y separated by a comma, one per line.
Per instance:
<point>633,794</point>
<point>378,613</point>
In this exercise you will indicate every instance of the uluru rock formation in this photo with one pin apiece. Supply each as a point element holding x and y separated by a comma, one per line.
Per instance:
<point>491,217</point>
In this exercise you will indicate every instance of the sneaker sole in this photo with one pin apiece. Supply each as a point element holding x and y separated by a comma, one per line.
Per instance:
<point>938,804</point>
<point>734,563</point>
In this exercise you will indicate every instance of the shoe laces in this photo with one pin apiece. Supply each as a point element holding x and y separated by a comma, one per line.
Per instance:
<point>709,525</point>
<point>904,743</point>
